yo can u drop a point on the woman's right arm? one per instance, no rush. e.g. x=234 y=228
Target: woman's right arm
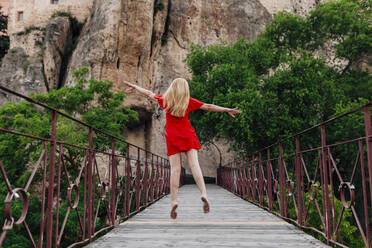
x=215 y=108
x=141 y=90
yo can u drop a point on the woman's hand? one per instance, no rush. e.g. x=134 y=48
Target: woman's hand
x=130 y=86
x=233 y=112
x=141 y=90
x=215 y=108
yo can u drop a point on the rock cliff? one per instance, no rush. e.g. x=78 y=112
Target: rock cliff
x=147 y=42
x=33 y=64
x=57 y=37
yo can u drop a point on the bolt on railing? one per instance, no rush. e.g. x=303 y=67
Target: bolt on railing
x=97 y=196
x=302 y=182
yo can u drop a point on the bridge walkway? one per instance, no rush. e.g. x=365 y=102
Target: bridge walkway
x=232 y=222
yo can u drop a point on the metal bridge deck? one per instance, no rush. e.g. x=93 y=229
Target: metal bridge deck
x=232 y=222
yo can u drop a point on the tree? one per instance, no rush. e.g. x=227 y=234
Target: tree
x=4 y=38
x=89 y=100
x=281 y=81
x=343 y=27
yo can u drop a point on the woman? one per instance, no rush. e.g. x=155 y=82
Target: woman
x=180 y=135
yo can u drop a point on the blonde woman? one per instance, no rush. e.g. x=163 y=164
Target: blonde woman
x=180 y=135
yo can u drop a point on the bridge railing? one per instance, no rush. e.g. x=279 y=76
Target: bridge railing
x=75 y=198
x=314 y=181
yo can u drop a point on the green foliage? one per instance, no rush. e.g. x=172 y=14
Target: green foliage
x=29 y=29
x=89 y=100
x=4 y=38
x=158 y=6
x=76 y=28
x=164 y=39
x=279 y=81
x=343 y=26
x=347 y=231
x=26 y=64
x=96 y=104
x=284 y=84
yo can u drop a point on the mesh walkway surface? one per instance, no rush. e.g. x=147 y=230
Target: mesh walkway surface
x=232 y=222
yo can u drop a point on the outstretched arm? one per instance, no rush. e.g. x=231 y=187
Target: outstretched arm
x=141 y=90
x=215 y=108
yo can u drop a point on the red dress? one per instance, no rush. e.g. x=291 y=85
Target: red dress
x=179 y=134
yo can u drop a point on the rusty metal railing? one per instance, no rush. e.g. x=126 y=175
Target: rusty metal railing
x=301 y=172
x=103 y=189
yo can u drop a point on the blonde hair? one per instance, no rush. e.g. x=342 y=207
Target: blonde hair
x=176 y=98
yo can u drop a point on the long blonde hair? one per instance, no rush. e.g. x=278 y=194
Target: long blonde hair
x=176 y=98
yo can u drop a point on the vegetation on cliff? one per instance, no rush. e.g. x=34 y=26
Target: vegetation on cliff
x=89 y=100
x=284 y=83
x=281 y=81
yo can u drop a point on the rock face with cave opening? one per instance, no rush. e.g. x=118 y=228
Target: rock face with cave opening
x=140 y=41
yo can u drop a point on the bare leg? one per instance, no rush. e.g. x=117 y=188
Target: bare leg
x=175 y=162
x=192 y=158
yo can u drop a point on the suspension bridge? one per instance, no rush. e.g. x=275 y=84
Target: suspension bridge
x=118 y=196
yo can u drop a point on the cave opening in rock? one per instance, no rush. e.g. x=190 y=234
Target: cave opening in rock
x=118 y=64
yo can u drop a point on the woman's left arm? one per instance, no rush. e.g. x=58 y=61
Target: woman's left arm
x=215 y=108
x=141 y=90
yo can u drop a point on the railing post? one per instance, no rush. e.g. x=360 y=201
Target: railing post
x=249 y=179
x=236 y=178
x=146 y=181
x=49 y=212
x=162 y=177
x=325 y=184
x=152 y=178
x=368 y=131
x=90 y=186
x=238 y=184
x=241 y=178
x=157 y=179
x=254 y=177
x=168 y=177
x=128 y=183
x=138 y=174
x=283 y=211
x=244 y=174
x=269 y=181
x=113 y=182
x=299 y=180
x=260 y=180
x=58 y=195
x=364 y=189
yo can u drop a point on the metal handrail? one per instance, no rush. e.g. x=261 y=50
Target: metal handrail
x=97 y=188
x=274 y=183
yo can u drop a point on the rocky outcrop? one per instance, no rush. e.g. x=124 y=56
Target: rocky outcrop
x=57 y=38
x=147 y=42
x=301 y=7
x=22 y=68
x=21 y=73
x=33 y=64
x=116 y=45
x=203 y=23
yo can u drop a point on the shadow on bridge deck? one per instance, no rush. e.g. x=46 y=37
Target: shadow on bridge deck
x=232 y=222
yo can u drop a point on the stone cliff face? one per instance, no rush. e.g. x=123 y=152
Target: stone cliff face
x=147 y=42
x=22 y=68
x=58 y=36
x=27 y=72
x=203 y=23
x=33 y=64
